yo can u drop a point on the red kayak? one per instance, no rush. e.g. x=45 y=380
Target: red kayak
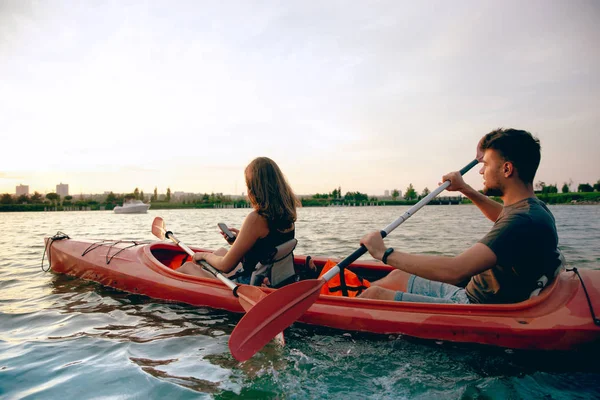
x=560 y=318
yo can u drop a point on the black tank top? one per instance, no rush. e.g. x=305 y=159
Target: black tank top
x=264 y=248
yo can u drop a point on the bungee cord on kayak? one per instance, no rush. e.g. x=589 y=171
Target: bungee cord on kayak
x=111 y=244
x=587 y=295
x=58 y=236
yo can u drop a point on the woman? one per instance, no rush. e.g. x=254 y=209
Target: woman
x=270 y=224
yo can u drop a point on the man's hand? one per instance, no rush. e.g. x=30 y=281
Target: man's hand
x=374 y=243
x=457 y=183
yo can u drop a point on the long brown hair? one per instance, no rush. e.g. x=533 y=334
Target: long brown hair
x=270 y=194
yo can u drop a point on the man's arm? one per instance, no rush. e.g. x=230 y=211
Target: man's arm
x=452 y=270
x=490 y=208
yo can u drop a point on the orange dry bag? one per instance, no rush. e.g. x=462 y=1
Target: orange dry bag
x=349 y=285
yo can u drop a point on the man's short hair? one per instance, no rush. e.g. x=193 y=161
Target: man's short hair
x=519 y=147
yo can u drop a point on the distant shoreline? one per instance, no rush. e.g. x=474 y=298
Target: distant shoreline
x=574 y=199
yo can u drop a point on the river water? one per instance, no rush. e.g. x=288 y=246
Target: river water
x=62 y=337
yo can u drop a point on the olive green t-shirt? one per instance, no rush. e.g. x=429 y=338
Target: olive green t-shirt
x=525 y=242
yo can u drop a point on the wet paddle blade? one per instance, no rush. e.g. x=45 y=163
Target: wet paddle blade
x=271 y=316
x=248 y=297
x=158 y=228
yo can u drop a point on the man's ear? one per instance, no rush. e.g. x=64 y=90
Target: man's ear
x=508 y=169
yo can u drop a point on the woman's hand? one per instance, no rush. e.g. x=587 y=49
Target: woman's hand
x=233 y=230
x=374 y=243
x=199 y=257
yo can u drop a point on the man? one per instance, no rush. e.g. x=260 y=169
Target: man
x=505 y=265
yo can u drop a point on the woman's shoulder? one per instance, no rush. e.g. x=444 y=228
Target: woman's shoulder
x=254 y=216
x=257 y=222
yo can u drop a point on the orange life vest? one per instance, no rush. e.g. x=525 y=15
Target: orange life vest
x=351 y=287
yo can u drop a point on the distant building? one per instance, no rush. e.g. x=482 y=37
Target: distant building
x=386 y=193
x=62 y=189
x=22 y=190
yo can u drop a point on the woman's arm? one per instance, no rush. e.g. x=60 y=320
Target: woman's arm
x=253 y=228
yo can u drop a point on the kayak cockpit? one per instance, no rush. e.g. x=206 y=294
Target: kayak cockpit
x=170 y=256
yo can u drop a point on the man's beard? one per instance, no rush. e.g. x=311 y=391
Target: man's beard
x=492 y=191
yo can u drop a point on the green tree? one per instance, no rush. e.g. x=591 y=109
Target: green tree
x=597 y=186
x=205 y=198
x=550 y=189
x=168 y=195
x=142 y=195
x=36 y=198
x=395 y=194
x=425 y=192
x=155 y=196
x=136 y=193
x=111 y=198
x=585 y=187
x=53 y=197
x=6 y=199
x=410 y=193
x=23 y=199
x=565 y=188
x=67 y=201
x=335 y=194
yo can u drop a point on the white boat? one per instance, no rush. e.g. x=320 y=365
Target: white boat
x=132 y=207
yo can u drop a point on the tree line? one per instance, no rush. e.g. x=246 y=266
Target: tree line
x=543 y=188
x=335 y=196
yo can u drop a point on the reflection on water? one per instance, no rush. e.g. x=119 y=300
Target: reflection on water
x=66 y=337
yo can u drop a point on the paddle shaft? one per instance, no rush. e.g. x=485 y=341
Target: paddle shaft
x=230 y=284
x=388 y=229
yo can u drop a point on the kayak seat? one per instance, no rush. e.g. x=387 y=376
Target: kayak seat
x=278 y=267
x=548 y=278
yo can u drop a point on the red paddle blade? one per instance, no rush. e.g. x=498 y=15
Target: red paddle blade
x=158 y=228
x=249 y=296
x=276 y=312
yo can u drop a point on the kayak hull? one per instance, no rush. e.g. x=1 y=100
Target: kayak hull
x=558 y=319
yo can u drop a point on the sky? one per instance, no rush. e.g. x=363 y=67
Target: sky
x=366 y=95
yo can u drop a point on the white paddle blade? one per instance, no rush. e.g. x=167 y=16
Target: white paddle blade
x=158 y=228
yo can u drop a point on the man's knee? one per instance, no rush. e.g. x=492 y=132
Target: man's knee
x=397 y=274
x=395 y=280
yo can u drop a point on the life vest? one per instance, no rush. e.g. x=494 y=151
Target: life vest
x=350 y=286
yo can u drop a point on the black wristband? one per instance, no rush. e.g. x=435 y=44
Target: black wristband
x=386 y=254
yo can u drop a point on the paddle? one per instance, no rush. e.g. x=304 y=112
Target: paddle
x=247 y=295
x=284 y=306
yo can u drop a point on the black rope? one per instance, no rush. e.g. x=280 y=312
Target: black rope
x=111 y=244
x=596 y=320
x=59 y=236
x=94 y=246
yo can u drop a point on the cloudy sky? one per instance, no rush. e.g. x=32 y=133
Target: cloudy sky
x=369 y=95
